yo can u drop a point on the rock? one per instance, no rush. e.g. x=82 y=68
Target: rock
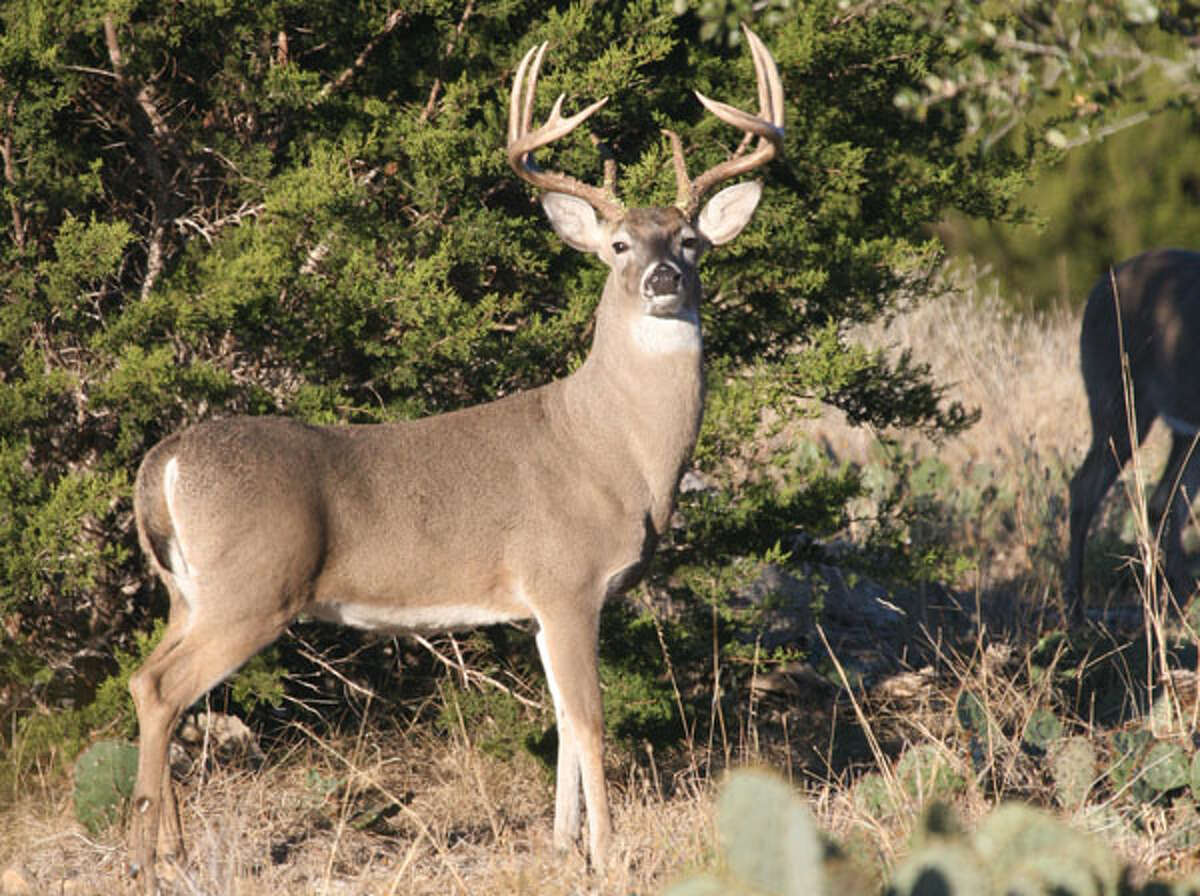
x=226 y=737
x=179 y=761
x=695 y=481
x=863 y=623
x=15 y=882
x=846 y=601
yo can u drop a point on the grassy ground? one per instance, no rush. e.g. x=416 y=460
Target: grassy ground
x=412 y=812
x=397 y=815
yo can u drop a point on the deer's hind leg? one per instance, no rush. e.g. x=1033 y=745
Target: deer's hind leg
x=1170 y=505
x=1110 y=450
x=198 y=650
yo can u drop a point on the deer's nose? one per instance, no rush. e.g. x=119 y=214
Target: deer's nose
x=662 y=280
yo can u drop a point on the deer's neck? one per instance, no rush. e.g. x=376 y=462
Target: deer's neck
x=640 y=395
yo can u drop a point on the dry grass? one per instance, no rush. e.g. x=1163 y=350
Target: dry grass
x=416 y=813
x=404 y=815
x=1021 y=372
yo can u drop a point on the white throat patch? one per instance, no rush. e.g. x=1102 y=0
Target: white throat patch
x=667 y=335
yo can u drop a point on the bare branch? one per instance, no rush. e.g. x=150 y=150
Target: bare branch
x=10 y=172
x=314 y=258
x=472 y=675
x=210 y=229
x=431 y=103
x=145 y=98
x=395 y=17
x=91 y=70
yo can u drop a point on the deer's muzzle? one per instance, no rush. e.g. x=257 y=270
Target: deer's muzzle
x=661 y=280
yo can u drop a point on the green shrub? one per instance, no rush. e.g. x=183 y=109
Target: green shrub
x=326 y=227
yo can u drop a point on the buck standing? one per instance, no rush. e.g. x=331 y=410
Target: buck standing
x=537 y=506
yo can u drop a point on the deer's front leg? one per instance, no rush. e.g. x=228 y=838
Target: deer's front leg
x=568 y=643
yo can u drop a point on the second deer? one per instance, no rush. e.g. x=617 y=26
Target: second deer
x=1140 y=327
x=540 y=505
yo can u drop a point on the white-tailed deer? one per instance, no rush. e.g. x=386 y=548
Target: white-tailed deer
x=537 y=506
x=1149 y=328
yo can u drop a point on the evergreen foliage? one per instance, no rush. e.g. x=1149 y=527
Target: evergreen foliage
x=302 y=208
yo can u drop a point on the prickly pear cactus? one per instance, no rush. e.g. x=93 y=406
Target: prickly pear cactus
x=1028 y=851
x=1129 y=750
x=1041 y=730
x=1166 y=768
x=769 y=842
x=104 y=777
x=873 y=796
x=944 y=868
x=971 y=712
x=771 y=848
x=928 y=772
x=1074 y=767
x=1149 y=769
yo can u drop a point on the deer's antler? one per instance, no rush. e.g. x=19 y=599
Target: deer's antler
x=767 y=126
x=522 y=141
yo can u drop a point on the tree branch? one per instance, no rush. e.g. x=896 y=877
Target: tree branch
x=395 y=17
x=10 y=172
x=145 y=99
x=431 y=103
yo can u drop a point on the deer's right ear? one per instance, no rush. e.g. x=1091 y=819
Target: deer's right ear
x=575 y=221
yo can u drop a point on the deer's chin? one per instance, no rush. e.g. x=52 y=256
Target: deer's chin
x=666 y=306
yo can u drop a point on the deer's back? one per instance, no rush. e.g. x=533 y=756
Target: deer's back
x=1157 y=304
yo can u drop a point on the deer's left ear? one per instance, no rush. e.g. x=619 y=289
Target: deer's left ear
x=727 y=213
x=575 y=221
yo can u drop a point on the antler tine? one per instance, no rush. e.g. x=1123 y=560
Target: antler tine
x=523 y=139
x=767 y=126
x=683 y=183
x=515 y=98
x=770 y=87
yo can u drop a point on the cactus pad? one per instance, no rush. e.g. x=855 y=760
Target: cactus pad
x=104 y=778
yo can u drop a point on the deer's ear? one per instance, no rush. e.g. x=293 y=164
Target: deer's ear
x=729 y=211
x=575 y=221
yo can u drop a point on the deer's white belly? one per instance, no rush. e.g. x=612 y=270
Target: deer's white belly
x=401 y=618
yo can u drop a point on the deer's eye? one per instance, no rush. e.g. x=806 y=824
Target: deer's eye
x=620 y=247
x=689 y=242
